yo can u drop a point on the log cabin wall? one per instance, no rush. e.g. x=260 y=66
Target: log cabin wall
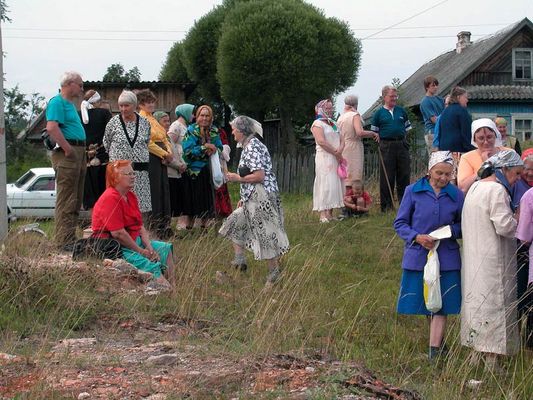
x=498 y=69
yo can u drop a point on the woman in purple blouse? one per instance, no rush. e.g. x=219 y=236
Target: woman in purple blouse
x=430 y=203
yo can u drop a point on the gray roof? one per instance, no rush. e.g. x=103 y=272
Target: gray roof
x=500 y=92
x=452 y=67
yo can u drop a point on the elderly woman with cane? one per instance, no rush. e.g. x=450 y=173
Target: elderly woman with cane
x=257 y=223
x=431 y=203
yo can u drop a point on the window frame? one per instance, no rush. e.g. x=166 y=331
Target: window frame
x=521 y=116
x=530 y=49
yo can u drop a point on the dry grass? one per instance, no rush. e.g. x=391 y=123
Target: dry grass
x=337 y=297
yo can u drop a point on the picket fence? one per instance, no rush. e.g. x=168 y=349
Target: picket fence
x=296 y=172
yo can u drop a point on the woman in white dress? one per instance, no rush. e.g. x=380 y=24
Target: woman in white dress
x=488 y=314
x=327 y=190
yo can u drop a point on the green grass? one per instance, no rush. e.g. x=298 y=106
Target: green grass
x=337 y=297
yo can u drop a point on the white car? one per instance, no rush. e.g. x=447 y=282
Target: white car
x=33 y=195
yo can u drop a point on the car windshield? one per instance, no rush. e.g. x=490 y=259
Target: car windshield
x=24 y=179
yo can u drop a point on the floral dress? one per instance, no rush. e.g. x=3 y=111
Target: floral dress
x=258 y=224
x=131 y=144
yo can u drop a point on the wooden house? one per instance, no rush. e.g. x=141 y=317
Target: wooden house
x=169 y=95
x=496 y=71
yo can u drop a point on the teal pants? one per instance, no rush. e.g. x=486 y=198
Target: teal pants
x=143 y=263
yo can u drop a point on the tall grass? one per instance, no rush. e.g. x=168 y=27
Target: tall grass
x=337 y=297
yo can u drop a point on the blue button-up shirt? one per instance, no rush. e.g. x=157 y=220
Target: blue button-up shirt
x=421 y=212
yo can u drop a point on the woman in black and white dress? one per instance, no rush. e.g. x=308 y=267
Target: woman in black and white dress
x=257 y=223
x=126 y=138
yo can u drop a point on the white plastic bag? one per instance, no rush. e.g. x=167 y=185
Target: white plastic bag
x=216 y=170
x=432 y=295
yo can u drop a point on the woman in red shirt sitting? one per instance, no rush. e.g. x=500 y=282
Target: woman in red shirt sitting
x=116 y=214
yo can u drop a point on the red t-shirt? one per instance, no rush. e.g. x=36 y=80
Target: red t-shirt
x=366 y=197
x=112 y=213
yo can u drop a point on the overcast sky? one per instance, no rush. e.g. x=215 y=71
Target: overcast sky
x=47 y=37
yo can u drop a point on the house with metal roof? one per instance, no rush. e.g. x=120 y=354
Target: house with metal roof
x=496 y=71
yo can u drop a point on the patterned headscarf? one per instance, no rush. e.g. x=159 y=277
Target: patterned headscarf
x=321 y=112
x=199 y=110
x=494 y=165
x=439 y=157
x=486 y=123
x=159 y=114
x=185 y=111
x=500 y=121
x=504 y=158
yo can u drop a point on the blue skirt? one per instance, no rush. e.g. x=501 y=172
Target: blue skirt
x=411 y=297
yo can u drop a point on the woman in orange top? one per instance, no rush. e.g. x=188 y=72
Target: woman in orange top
x=160 y=154
x=488 y=141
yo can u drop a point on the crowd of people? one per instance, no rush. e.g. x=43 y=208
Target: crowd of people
x=477 y=188
x=135 y=171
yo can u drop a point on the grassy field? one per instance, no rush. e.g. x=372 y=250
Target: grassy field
x=337 y=297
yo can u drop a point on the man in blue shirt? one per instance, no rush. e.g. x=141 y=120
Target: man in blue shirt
x=391 y=123
x=431 y=107
x=69 y=160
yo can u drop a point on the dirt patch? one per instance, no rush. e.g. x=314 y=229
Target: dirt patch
x=141 y=360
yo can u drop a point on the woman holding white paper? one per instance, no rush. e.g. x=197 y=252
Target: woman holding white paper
x=427 y=205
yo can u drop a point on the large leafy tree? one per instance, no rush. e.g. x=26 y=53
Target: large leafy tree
x=283 y=55
x=117 y=73
x=174 y=69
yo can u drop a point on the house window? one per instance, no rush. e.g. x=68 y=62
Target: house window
x=523 y=127
x=522 y=62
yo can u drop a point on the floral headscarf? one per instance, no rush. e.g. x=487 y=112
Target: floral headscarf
x=439 y=157
x=321 y=112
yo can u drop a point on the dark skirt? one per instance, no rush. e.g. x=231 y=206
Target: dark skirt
x=94 y=185
x=160 y=195
x=198 y=194
x=177 y=194
x=411 y=297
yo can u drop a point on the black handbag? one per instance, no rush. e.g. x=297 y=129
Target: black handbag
x=97 y=248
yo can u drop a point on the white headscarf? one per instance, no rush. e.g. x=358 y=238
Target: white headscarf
x=439 y=157
x=486 y=123
x=87 y=105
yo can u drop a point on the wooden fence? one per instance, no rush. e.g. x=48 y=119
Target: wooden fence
x=296 y=173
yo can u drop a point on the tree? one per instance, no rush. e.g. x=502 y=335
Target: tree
x=19 y=110
x=3 y=12
x=283 y=55
x=200 y=50
x=117 y=73
x=173 y=69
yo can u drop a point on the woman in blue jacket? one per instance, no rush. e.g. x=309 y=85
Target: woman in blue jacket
x=428 y=204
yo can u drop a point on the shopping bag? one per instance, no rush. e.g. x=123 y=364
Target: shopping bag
x=216 y=170
x=432 y=295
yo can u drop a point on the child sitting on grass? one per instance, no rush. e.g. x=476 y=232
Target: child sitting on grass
x=356 y=200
